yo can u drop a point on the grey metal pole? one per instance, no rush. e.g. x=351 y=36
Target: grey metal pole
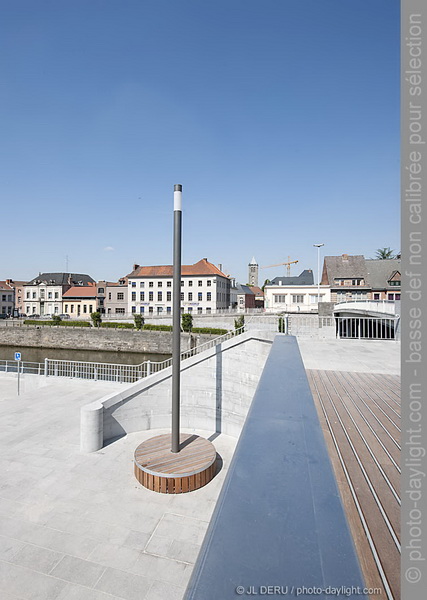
x=176 y=315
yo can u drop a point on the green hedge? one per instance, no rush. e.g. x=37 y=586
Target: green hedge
x=209 y=330
x=118 y=325
x=157 y=327
x=61 y=324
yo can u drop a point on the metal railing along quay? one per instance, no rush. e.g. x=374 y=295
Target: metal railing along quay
x=98 y=371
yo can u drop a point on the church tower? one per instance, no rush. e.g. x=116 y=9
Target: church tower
x=253 y=272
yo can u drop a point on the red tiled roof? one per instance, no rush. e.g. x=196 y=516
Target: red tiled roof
x=5 y=286
x=203 y=267
x=256 y=290
x=80 y=291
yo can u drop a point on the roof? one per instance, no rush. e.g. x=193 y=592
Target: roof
x=256 y=290
x=345 y=266
x=253 y=261
x=304 y=278
x=203 y=267
x=81 y=291
x=379 y=272
x=243 y=289
x=5 y=286
x=61 y=279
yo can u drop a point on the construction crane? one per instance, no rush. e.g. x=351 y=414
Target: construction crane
x=288 y=264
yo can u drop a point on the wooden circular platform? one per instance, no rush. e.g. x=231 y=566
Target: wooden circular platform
x=159 y=469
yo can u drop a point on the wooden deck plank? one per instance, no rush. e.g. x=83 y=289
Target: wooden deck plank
x=332 y=388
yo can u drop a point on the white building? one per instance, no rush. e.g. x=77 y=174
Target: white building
x=43 y=294
x=204 y=289
x=295 y=294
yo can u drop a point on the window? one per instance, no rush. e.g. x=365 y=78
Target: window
x=100 y=290
x=133 y=309
x=190 y=309
x=168 y=296
x=71 y=307
x=151 y=284
x=168 y=309
x=208 y=310
x=141 y=284
x=66 y=308
x=341 y=296
x=376 y=296
x=28 y=294
x=200 y=296
x=182 y=284
x=159 y=309
x=34 y=294
x=190 y=283
x=190 y=296
x=208 y=296
x=121 y=295
x=200 y=283
x=56 y=295
x=133 y=283
x=120 y=311
x=133 y=296
x=359 y=296
x=49 y=295
x=199 y=310
x=109 y=295
x=279 y=299
x=141 y=309
x=160 y=283
x=141 y=296
x=297 y=298
x=150 y=309
x=85 y=308
x=209 y=283
x=159 y=296
x=182 y=296
x=396 y=283
x=150 y=296
x=169 y=283
x=27 y=310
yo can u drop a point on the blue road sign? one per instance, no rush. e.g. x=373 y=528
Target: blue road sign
x=17 y=356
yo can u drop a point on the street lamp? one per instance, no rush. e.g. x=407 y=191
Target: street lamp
x=318 y=246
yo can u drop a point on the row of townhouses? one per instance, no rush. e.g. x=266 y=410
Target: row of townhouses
x=205 y=289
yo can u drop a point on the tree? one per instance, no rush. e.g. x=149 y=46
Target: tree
x=266 y=282
x=282 y=326
x=96 y=319
x=187 y=322
x=139 y=321
x=384 y=253
x=239 y=322
x=56 y=319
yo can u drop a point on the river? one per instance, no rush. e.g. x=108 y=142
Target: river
x=39 y=354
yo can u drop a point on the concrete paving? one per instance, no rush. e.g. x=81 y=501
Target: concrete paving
x=364 y=356
x=80 y=527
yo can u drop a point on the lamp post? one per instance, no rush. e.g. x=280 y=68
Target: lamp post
x=176 y=315
x=318 y=246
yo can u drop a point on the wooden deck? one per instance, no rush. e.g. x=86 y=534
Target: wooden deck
x=360 y=417
x=160 y=470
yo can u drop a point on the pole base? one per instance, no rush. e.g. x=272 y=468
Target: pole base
x=159 y=469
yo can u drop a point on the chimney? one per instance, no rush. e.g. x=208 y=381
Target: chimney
x=135 y=267
x=345 y=256
x=220 y=267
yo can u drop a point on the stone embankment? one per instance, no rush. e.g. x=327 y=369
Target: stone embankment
x=115 y=340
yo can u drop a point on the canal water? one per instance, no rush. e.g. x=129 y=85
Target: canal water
x=39 y=354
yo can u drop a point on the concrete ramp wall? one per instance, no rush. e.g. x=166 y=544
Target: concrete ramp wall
x=217 y=387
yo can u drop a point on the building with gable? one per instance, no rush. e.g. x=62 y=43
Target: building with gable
x=294 y=294
x=43 y=294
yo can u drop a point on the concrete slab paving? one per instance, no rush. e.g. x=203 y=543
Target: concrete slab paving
x=80 y=527
x=365 y=356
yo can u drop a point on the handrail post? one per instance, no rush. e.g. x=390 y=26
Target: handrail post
x=46 y=367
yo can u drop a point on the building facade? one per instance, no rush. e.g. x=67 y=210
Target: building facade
x=43 y=294
x=18 y=289
x=7 y=303
x=295 y=294
x=356 y=278
x=80 y=301
x=204 y=289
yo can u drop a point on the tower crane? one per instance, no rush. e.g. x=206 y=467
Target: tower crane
x=288 y=264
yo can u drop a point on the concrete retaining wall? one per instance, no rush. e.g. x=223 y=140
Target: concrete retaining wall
x=122 y=340
x=217 y=387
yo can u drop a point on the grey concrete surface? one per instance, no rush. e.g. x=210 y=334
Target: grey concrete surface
x=80 y=527
x=365 y=356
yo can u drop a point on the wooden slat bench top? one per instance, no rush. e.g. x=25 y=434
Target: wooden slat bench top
x=190 y=468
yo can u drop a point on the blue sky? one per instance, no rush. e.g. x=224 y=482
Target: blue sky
x=280 y=118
